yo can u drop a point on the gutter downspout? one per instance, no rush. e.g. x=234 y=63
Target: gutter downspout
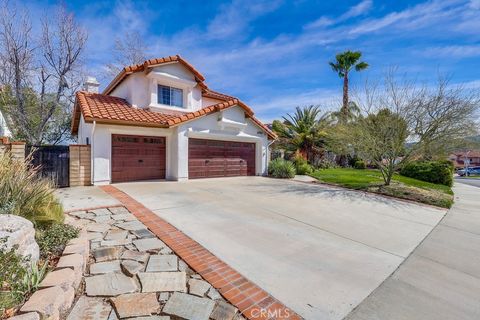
x=92 y=167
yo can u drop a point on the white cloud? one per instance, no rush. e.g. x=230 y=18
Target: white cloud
x=233 y=18
x=359 y=9
x=456 y=51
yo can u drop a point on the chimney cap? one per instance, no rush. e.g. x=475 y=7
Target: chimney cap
x=91 y=84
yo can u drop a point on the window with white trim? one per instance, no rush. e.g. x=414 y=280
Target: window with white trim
x=170 y=96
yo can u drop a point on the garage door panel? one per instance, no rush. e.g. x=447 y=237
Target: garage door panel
x=138 y=158
x=214 y=158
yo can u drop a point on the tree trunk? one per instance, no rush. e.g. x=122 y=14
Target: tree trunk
x=345 y=97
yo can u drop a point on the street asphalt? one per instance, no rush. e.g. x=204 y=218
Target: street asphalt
x=470 y=181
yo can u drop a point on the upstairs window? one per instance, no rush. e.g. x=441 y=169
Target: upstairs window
x=170 y=96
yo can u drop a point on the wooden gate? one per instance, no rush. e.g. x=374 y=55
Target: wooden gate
x=54 y=162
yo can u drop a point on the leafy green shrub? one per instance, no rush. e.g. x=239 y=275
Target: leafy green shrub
x=18 y=279
x=302 y=166
x=52 y=239
x=359 y=164
x=439 y=172
x=280 y=168
x=25 y=193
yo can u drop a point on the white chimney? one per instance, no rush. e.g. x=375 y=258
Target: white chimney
x=91 y=85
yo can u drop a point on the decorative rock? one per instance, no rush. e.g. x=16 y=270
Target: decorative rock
x=106 y=254
x=47 y=302
x=97 y=227
x=198 y=287
x=76 y=262
x=131 y=225
x=105 y=267
x=26 y=316
x=143 y=233
x=64 y=278
x=223 y=311
x=101 y=212
x=131 y=267
x=136 y=304
x=213 y=294
x=135 y=255
x=163 y=281
x=19 y=233
x=163 y=296
x=79 y=248
x=189 y=307
x=116 y=235
x=148 y=244
x=68 y=297
x=90 y=308
x=109 y=284
x=162 y=263
x=118 y=210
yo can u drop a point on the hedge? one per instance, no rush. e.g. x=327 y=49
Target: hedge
x=438 y=172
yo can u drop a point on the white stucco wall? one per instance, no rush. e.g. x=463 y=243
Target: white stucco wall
x=140 y=89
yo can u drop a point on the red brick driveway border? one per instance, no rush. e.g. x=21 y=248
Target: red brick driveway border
x=252 y=301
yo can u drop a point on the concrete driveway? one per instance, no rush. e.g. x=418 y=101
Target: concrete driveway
x=318 y=249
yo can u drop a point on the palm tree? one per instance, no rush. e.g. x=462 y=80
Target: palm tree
x=344 y=63
x=304 y=131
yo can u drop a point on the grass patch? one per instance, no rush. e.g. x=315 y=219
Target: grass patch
x=401 y=187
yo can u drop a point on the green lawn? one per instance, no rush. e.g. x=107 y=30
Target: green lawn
x=401 y=187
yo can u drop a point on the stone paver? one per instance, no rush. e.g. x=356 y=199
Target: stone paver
x=189 y=307
x=163 y=296
x=115 y=243
x=136 y=304
x=163 y=281
x=118 y=210
x=105 y=267
x=198 y=287
x=116 y=235
x=109 y=284
x=131 y=267
x=101 y=212
x=90 y=308
x=135 y=255
x=158 y=263
x=223 y=311
x=97 y=227
x=131 y=225
x=213 y=294
x=148 y=244
x=124 y=217
x=106 y=254
x=143 y=233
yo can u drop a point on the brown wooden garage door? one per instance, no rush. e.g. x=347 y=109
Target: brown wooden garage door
x=137 y=158
x=214 y=158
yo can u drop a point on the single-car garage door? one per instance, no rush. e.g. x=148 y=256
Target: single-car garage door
x=214 y=158
x=137 y=158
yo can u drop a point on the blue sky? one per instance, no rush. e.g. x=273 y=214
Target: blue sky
x=274 y=54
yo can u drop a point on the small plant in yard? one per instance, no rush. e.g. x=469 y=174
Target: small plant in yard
x=25 y=193
x=302 y=166
x=52 y=239
x=280 y=168
x=359 y=164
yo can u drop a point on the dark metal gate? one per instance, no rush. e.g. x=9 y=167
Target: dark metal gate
x=54 y=162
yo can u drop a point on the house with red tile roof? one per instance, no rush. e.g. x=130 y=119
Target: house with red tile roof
x=159 y=120
x=469 y=158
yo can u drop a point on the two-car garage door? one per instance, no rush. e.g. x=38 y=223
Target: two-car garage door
x=144 y=158
x=214 y=158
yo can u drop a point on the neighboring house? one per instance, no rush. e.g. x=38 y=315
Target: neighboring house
x=4 y=131
x=458 y=158
x=159 y=120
